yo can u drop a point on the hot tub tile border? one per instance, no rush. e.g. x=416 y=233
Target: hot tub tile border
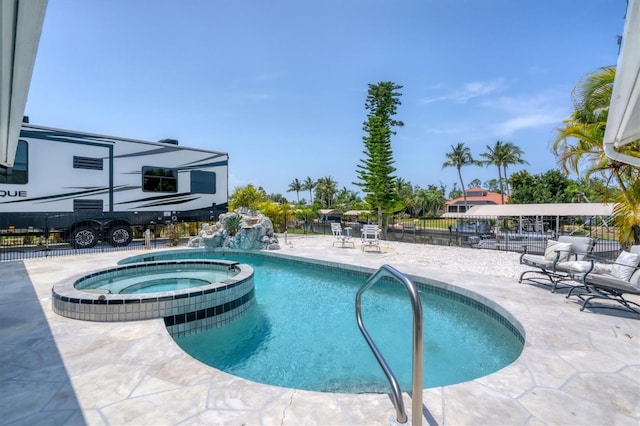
x=98 y=307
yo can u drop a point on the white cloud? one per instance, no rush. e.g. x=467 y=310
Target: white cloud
x=469 y=91
x=527 y=111
x=497 y=113
x=529 y=103
x=510 y=126
x=435 y=99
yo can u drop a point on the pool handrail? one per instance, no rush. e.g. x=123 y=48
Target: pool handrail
x=417 y=378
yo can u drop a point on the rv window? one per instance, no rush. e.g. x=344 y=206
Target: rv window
x=159 y=179
x=19 y=173
x=203 y=182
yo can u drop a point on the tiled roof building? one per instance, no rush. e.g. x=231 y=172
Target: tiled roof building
x=475 y=197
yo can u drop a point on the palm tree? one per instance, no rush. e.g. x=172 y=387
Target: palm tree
x=326 y=188
x=296 y=186
x=309 y=185
x=496 y=156
x=415 y=203
x=430 y=201
x=459 y=156
x=585 y=128
x=345 y=198
x=512 y=156
x=580 y=142
x=475 y=183
x=627 y=215
x=502 y=155
x=405 y=192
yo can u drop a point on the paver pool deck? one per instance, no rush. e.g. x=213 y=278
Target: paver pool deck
x=577 y=368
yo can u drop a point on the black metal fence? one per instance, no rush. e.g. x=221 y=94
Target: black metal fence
x=27 y=244
x=507 y=234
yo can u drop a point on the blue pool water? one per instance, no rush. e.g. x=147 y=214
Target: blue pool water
x=153 y=280
x=303 y=333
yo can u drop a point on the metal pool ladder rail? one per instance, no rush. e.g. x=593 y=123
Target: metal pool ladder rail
x=416 y=398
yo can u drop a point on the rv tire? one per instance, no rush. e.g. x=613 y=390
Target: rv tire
x=84 y=237
x=120 y=235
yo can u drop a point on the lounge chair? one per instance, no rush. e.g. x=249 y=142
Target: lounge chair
x=610 y=281
x=340 y=236
x=370 y=236
x=551 y=268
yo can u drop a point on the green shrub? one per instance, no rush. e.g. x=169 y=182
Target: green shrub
x=232 y=224
x=174 y=233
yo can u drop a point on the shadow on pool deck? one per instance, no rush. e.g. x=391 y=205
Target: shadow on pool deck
x=34 y=383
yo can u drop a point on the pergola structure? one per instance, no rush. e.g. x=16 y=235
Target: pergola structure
x=538 y=211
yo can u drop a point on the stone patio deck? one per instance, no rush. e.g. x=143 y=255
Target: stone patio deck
x=576 y=367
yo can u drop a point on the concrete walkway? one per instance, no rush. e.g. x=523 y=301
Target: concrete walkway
x=576 y=367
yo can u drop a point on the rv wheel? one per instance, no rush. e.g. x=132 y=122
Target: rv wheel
x=84 y=237
x=120 y=236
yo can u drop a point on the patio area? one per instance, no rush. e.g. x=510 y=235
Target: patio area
x=576 y=367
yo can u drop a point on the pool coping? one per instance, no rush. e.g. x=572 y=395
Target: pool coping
x=576 y=367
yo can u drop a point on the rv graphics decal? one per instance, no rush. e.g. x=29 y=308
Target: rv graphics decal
x=57 y=197
x=4 y=193
x=163 y=200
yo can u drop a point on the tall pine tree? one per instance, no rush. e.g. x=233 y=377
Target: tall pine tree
x=375 y=171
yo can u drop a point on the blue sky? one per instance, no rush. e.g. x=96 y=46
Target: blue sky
x=281 y=85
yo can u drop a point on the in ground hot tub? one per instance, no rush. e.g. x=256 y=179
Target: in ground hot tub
x=189 y=294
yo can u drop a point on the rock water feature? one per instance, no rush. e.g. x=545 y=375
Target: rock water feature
x=243 y=229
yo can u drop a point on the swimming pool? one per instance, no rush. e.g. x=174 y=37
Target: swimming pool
x=302 y=331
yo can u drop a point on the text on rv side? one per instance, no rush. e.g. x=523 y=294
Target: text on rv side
x=13 y=193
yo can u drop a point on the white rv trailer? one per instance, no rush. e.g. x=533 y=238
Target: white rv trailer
x=93 y=187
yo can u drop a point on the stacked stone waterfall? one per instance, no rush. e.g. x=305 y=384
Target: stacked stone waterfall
x=255 y=233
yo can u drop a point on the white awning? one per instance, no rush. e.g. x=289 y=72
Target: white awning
x=623 y=122
x=20 y=29
x=454 y=215
x=356 y=212
x=549 y=209
x=327 y=212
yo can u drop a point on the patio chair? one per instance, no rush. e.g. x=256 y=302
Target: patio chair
x=610 y=281
x=553 y=267
x=370 y=236
x=340 y=236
